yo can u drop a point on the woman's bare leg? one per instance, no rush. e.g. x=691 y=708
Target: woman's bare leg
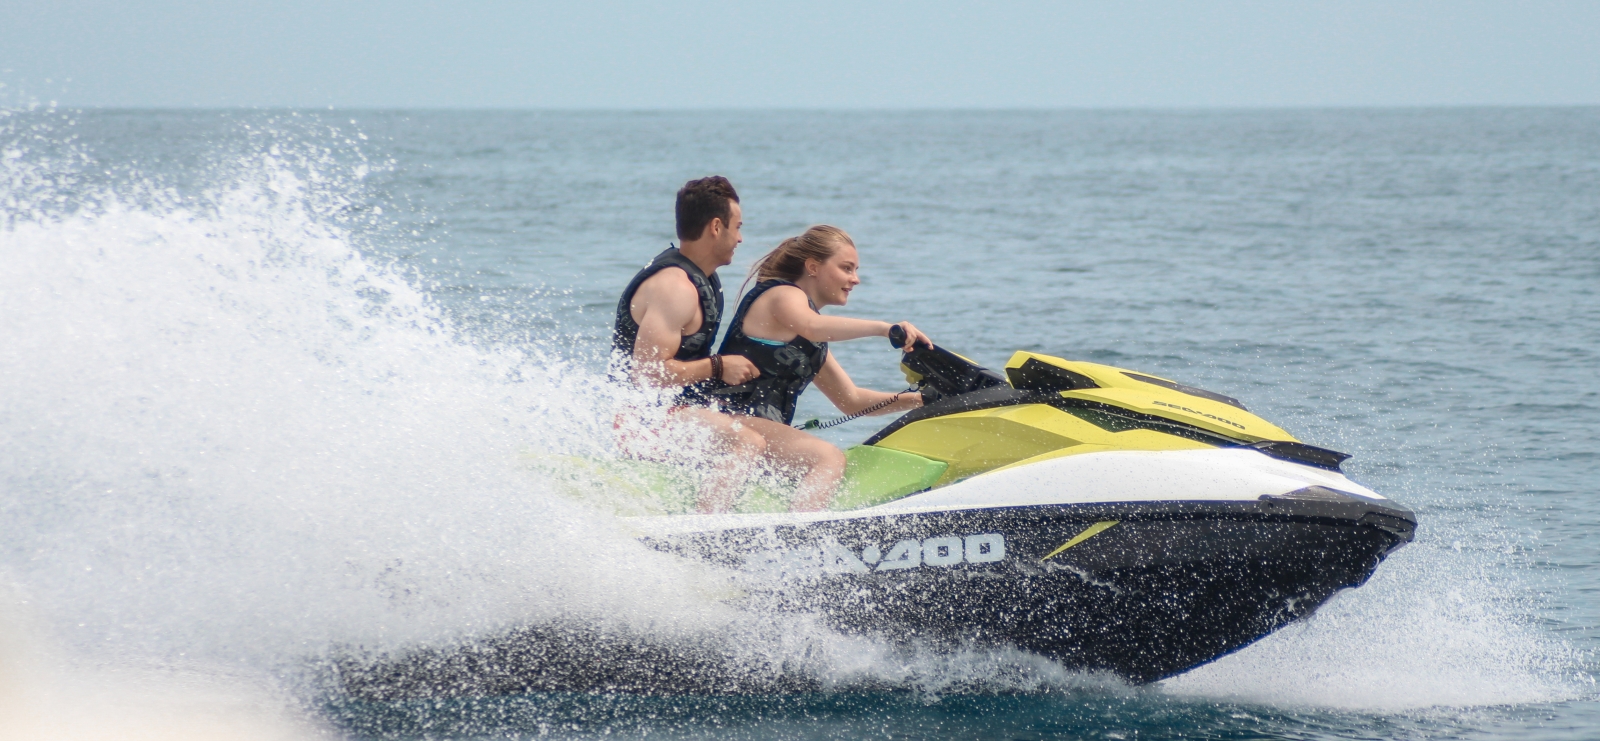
x=820 y=464
x=735 y=447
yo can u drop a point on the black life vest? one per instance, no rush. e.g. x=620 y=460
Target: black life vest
x=693 y=346
x=786 y=367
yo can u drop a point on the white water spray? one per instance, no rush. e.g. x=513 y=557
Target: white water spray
x=226 y=433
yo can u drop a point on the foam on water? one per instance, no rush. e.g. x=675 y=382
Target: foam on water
x=229 y=436
x=44 y=695
x=1431 y=628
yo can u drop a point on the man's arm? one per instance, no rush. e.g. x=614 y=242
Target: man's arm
x=665 y=306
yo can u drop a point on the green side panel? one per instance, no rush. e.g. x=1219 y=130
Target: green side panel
x=635 y=488
x=630 y=488
x=874 y=475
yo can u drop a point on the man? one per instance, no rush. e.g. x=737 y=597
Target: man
x=667 y=323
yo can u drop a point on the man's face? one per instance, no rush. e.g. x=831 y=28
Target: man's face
x=728 y=239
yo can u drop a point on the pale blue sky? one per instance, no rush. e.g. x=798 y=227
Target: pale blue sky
x=819 y=54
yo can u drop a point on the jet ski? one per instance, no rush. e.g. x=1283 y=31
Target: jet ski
x=1110 y=520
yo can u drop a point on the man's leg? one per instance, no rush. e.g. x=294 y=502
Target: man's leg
x=734 y=446
x=821 y=462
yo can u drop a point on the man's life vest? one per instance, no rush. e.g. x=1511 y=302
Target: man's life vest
x=694 y=346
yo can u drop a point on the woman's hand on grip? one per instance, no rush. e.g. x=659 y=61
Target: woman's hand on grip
x=914 y=337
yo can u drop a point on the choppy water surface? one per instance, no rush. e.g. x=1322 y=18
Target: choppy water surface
x=269 y=382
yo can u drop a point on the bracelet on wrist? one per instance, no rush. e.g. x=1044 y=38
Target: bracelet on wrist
x=716 y=367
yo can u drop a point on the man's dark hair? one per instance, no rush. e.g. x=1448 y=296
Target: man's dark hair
x=700 y=201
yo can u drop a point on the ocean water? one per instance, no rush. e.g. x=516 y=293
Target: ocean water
x=269 y=383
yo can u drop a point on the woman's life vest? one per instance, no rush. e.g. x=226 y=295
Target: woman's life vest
x=786 y=367
x=694 y=346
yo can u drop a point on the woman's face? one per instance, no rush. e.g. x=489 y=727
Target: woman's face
x=833 y=280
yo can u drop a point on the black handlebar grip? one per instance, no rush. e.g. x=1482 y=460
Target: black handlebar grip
x=897 y=336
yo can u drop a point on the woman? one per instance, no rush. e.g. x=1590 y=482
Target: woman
x=778 y=327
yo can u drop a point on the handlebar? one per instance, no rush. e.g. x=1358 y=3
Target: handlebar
x=897 y=336
x=943 y=371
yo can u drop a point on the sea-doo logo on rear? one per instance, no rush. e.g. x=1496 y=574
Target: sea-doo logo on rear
x=832 y=557
x=1198 y=413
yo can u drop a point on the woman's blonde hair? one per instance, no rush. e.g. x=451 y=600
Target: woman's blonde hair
x=788 y=261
